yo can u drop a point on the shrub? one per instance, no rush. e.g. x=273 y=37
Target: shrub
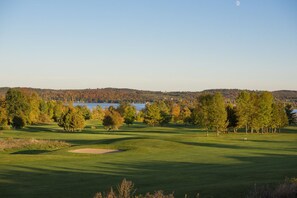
x=287 y=189
x=44 y=118
x=112 y=120
x=18 y=122
x=126 y=190
x=72 y=120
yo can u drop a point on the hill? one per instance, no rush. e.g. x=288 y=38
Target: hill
x=133 y=95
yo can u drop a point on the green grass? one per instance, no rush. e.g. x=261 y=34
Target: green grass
x=175 y=158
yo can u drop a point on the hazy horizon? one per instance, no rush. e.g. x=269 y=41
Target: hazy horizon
x=25 y=87
x=152 y=45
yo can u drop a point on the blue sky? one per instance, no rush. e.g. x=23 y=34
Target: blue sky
x=167 y=45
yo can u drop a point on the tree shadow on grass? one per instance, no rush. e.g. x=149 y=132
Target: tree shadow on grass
x=102 y=141
x=270 y=141
x=210 y=180
x=31 y=152
x=216 y=145
x=34 y=128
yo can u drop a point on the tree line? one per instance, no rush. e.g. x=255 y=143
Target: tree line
x=113 y=95
x=250 y=111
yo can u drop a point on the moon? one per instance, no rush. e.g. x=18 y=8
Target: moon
x=237 y=3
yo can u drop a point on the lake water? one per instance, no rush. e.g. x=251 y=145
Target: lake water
x=139 y=106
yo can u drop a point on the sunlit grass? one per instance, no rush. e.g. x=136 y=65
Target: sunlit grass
x=173 y=158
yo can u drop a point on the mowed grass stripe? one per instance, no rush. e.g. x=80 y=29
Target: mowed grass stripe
x=174 y=158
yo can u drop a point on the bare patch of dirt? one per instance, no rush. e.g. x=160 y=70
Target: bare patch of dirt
x=94 y=151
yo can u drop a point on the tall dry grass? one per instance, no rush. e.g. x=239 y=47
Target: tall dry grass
x=14 y=144
x=287 y=189
x=126 y=190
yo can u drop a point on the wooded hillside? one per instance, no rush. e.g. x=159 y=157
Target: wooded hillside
x=132 y=95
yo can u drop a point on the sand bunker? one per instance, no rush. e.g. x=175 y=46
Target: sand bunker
x=94 y=151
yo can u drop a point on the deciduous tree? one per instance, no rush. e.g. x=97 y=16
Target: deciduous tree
x=98 y=113
x=128 y=112
x=17 y=105
x=112 y=119
x=244 y=109
x=152 y=114
x=72 y=120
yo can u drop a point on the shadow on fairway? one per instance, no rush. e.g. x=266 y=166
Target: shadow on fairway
x=102 y=141
x=31 y=152
x=210 y=180
x=125 y=129
x=216 y=145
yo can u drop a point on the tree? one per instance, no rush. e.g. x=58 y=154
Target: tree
x=185 y=115
x=3 y=115
x=219 y=116
x=98 y=113
x=128 y=112
x=112 y=119
x=85 y=111
x=152 y=114
x=210 y=112
x=175 y=112
x=72 y=120
x=199 y=115
x=244 y=109
x=260 y=111
x=232 y=117
x=139 y=116
x=45 y=109
x=165 y=116
x=18 y=121
x=290 y=114
x=264 y=105
x=58 y=110
x=278 y=116
x=34 y=102
x=17 y=107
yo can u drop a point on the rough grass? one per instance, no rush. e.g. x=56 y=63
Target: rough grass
x=175 y=159
x=126 y=189
x=287 y=189
x=8 y=144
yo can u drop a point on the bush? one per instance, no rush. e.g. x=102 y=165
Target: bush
x=126 y=190
x=72 y=120
x=287 y=189
x=44 y=118
x=18 y=122
x=112 y=120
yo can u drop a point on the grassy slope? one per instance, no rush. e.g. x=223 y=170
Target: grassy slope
x=175 y=159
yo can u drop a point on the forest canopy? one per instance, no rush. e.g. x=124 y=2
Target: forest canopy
x=132 y=95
